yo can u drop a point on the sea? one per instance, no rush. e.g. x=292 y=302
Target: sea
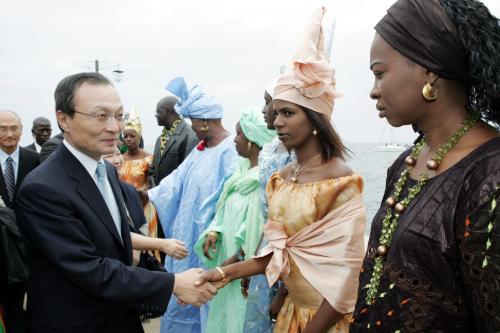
x=371 y=162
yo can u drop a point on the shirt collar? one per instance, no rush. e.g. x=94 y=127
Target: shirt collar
x=38 y=148
x=14 y=155
x=88 y=162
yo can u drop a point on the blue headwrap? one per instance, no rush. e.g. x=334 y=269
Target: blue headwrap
x=194 y=102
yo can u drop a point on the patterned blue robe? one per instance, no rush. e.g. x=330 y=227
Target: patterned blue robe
x=185 y=201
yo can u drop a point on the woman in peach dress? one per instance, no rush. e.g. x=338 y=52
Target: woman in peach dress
x=316 y=216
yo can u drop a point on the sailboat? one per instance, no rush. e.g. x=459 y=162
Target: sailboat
x=390 y=146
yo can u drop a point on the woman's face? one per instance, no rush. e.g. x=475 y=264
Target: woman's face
x=291 y=123
x=241 y=142
x=196 y=125
x=116 y=159
x=131 y=139
x=398 y=84
x=268 y=111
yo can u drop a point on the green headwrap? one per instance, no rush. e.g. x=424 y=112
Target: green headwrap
x=254 y=127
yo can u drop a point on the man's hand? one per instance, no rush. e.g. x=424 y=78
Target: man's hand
x=187 y=291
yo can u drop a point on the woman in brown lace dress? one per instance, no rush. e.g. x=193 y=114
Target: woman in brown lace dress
x=433 y=258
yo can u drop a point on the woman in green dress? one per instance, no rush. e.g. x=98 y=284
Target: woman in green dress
x=236 y=228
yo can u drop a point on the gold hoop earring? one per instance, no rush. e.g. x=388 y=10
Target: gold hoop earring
x=249 y=145
x=315 y=132
x=205 y=127
x=428 y=94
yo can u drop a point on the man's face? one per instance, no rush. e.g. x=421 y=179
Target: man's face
x=84 y=130
x=42 y=132
x=10 y=131
x=162 y=115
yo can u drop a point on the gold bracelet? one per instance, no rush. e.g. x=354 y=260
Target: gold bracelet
x=213 y=234
x=221 y=273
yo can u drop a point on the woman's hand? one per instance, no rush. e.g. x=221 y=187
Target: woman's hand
x=173 y=248
x=245 y=282
x=277 y=303
x=213 y=276
x=209 y=245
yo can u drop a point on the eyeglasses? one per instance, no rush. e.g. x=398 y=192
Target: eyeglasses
x=103 y=117
x=13 y=129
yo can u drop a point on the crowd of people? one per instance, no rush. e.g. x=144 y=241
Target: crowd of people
x=263 y=230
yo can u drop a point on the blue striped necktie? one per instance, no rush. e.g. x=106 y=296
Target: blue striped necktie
x=9 y=177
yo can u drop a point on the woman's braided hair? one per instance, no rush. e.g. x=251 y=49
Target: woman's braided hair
x=479 y=33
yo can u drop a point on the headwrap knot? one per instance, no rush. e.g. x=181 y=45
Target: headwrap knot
x=311 y=80
x=254 y=127
x=194 y=102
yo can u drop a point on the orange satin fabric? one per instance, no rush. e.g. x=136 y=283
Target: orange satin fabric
x=316 y=233
x=135 y=172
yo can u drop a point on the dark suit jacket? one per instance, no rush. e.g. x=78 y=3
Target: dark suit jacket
x=180 y=144
x=81 y=278
x=31 y=146
x=51 y=146
x=28 y=160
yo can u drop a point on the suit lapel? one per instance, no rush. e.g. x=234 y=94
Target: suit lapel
x=173 y=138
x=22 y=168
x=168 y=145
x=3 y=190
x=88 y=191
x=125 y=229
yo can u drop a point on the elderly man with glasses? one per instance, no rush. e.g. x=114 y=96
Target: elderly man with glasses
x=75 y=225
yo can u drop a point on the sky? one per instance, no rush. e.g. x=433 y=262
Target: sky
x=232 y=48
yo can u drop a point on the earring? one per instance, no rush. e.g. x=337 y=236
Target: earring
x=428 y=94
x=315 y=132
x=249 y=145
x=205 y=127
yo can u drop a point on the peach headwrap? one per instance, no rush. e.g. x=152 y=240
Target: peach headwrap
x=329 y=253
x=311 y=81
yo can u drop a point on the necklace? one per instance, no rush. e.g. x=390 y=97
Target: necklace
x=165 y=135
x=396 y=206
x=298 y=169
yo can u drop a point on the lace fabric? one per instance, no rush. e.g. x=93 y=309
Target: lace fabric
x=442 y=269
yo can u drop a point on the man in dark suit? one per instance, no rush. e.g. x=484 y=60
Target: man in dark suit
x=174 y=144
x=74 y=223
x=16 y=162
x=41 y=131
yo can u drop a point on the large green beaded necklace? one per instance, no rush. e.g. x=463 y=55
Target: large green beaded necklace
x=165 y=135
x=397 y=206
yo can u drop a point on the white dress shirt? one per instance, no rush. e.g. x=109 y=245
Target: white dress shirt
x=38 y=148
x=91 y=166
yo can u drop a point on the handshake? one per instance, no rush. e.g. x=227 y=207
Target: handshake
x=196 y=286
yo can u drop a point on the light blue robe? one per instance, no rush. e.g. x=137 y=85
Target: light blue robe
x=185 y=201
x=272 y=158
